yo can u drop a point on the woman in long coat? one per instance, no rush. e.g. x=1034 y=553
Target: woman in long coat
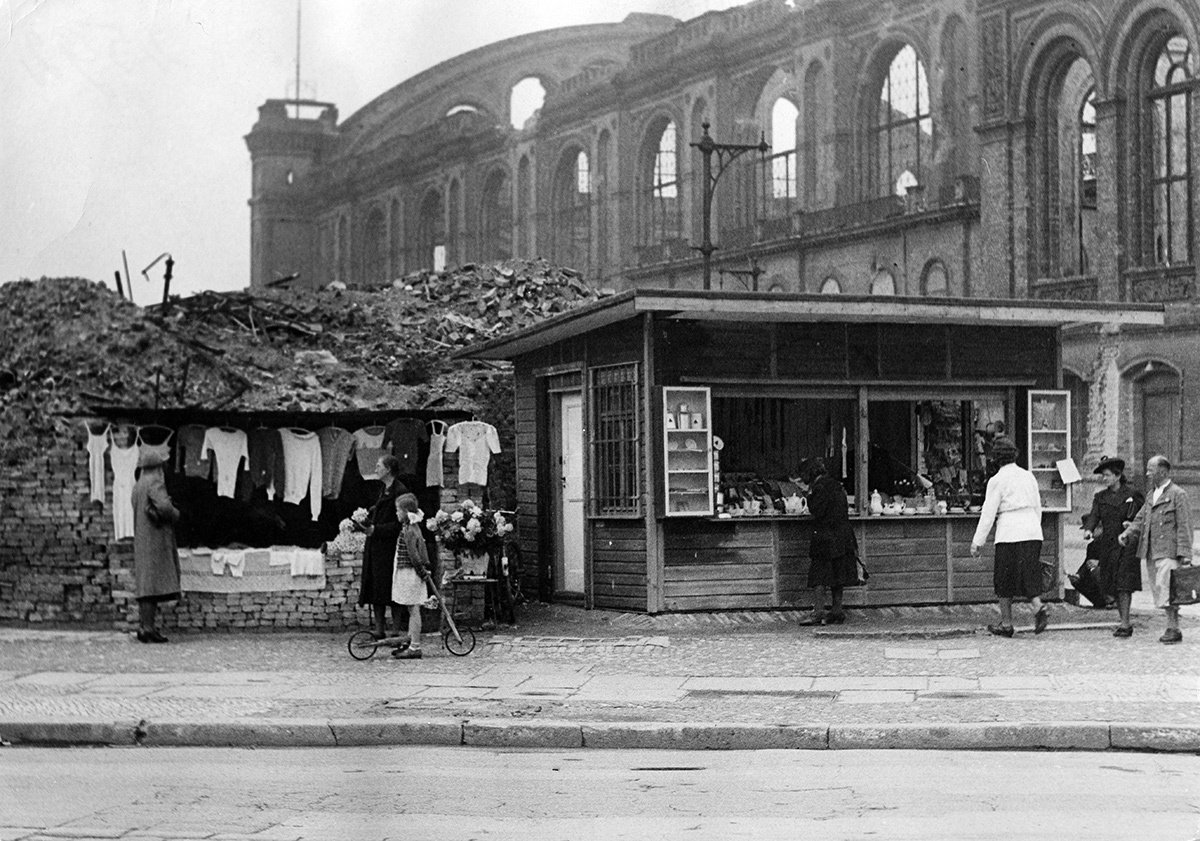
x=1113 y=507
x=379 y=550
x=833 y=550
x=155 y=555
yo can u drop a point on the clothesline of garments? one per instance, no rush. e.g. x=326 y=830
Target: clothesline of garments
x=290 y=462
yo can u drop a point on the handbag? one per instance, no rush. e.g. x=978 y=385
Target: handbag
x=1086 y=583
x=1185 y=586
x=863 y=575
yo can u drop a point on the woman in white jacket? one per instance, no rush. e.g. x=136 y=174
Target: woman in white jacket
x=1014 y=503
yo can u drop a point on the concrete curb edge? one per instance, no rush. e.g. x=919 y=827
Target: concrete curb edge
x=558 y=734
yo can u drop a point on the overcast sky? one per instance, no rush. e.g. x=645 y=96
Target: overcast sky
x=121 y=121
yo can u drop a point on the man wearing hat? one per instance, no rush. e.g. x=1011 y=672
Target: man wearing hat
x=1014 y=503
x=1113 y=508
x=155 y=555
x=1162 y=531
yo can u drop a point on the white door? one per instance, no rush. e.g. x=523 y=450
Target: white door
x=571 y=481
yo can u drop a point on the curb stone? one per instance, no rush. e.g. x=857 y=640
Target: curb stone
x=711 y=736
x=37 y=731
x=972 y=736
x=367 y=732
x=295 y=732
x=500 y=733
x=1181 y=738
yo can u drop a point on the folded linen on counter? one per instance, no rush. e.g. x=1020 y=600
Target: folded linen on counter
x=234 y=559
x=308 y=562
x=259 y=576
x=282 y=556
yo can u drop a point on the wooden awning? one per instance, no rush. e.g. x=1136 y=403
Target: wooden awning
x=783 y=307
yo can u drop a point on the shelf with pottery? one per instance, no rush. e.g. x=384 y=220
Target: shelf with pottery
x=687 y=452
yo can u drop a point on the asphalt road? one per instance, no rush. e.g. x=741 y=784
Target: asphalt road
x=464 y=793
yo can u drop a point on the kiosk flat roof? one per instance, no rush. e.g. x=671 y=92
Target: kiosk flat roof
x=793 y=307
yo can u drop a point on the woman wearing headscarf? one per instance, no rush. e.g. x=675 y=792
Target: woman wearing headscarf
x=833 y=549
x=1014 y=504
x=382 y=529
x=155 y=555
x=1113 y=507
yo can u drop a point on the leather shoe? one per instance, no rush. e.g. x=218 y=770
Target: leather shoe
x=155 y=636
x=1123 y=632
x=1041 y=619
x=144 y=636
x=836 y=617
x=1001 y=630
x=407 y=654
x=1171 y=636
x=813 y=619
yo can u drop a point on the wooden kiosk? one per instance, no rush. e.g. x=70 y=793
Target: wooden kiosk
x=649 y=425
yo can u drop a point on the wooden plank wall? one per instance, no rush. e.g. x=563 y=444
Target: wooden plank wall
x=619 y=564
x=906 y=557
x=972 y=579
x=529 y=494
x=719 y=565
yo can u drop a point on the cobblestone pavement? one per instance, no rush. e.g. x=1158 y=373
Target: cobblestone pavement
x=885 y=665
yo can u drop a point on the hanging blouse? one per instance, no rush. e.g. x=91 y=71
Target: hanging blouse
x=229 y=448
x=369 y=449
x=475 y=443
x=433 y=465
x=97 y=445
x=124 y=462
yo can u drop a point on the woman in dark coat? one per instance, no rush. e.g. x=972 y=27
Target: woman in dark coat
x=1113 y=507
x=379 y=550
x=155 y=555
x=833 y=551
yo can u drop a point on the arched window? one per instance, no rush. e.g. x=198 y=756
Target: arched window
x=831 y=286
x=814 y=112
x=1157 y=418
x=936 y=281
x=600 y=194
x=660 y=190
x=431 y=233
x=883 y=283
x=1165 y=92
x=572 y=216
x=343 y=250
x=375 y=247
x=1063 y=173
x=903 y=126
x=524 y=100
x=394 y=235
x=495 y=217
x=779 y=169
x=524 y=211
x=454 y=229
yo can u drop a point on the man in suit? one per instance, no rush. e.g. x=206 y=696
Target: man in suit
x=1164 y=529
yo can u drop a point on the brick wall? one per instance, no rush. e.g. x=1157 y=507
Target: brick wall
x=59 y=564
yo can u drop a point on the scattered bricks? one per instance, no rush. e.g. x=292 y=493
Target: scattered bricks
x=524 y=734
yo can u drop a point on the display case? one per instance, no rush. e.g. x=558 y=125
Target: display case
x=688 y=451
x=1050 y=442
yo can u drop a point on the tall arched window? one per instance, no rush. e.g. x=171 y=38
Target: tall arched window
x=524 y=211
x=904 y=127
x=495 y=217
x=431 y=233
x=779 y=169
x=660 y=190
x=572 y=217
x=375 y=247
x=394 y=237
x=454 y=223
x=343 y=250
x=1165 y=92
x=814 y=112
x=600 y=193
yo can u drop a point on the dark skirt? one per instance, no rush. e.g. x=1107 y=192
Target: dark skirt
x=1120 y=568
x=841 y=571
x=378 y=561
x=1019 y=572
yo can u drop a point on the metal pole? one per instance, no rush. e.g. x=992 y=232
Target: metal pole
x=706 y=248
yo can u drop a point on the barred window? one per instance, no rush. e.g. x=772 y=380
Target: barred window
x=616 y=465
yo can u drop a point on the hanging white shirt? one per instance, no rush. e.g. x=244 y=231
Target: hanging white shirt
x=229 y=448
x=475 y=442
x=1014 y=503
x=302 y=468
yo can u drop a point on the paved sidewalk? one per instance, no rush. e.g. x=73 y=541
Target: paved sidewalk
x=899 y=677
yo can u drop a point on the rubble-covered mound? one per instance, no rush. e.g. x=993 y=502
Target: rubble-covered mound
x=68 y=345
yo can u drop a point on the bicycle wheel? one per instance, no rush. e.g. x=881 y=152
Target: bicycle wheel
x=459 y=649
x=362 y=645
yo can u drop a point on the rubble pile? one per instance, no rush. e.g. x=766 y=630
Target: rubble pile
x=71 y=344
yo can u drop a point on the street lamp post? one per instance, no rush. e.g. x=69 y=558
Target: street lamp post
x=727 y=153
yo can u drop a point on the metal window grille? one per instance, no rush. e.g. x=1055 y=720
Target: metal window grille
x=615 y=434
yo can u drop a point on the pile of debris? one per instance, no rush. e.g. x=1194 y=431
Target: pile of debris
x=71 y=344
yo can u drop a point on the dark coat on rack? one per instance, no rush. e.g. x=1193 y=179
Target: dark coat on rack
x=833 y=550
x=379 y=550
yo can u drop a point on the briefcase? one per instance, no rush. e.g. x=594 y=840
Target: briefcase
x=1185 y=585
x=1087 y=583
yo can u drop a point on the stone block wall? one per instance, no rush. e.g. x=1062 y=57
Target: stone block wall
x=59 y=564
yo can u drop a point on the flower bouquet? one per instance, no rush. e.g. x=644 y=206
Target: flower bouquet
x=470 y=533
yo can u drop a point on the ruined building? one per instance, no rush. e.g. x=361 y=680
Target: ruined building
x=990 y=149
